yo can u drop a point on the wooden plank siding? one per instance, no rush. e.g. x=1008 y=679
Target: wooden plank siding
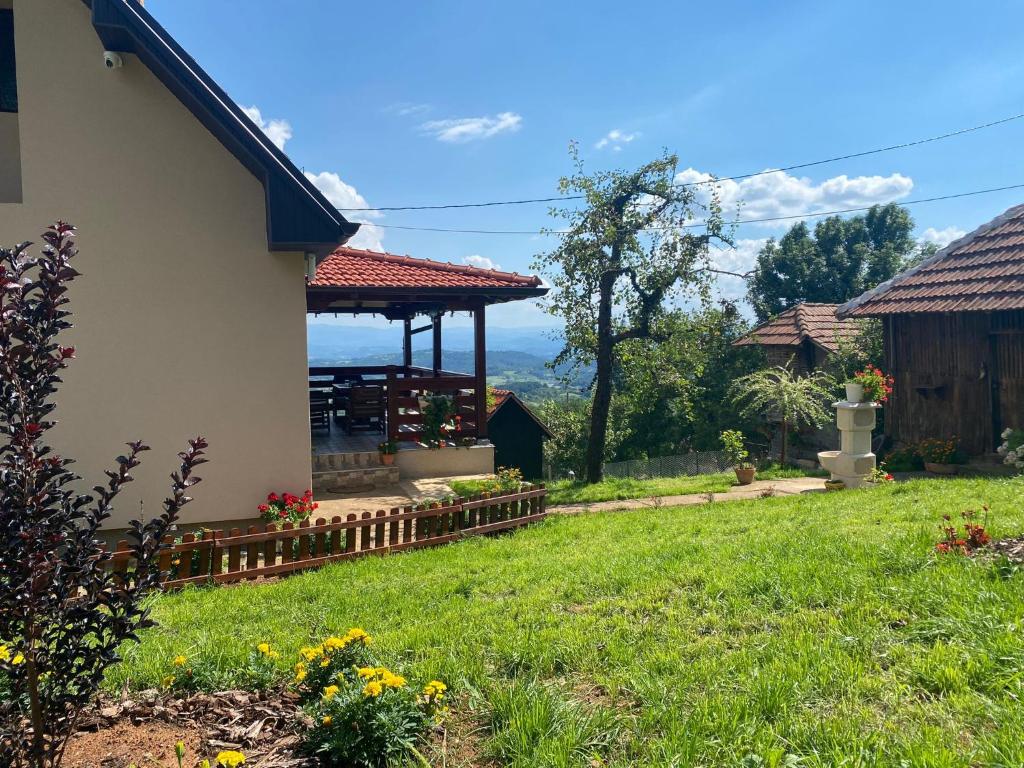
x=957 y=374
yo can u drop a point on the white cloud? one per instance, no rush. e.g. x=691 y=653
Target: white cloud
x=406 y=108
x=463 y=129
x=615 y=138
x=480 y=261
x=344 y=195
x=278 y=131
x=780 y=194
x=739 y=259
x=941 y=237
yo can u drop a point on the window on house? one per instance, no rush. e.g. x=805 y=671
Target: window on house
x=8 y=82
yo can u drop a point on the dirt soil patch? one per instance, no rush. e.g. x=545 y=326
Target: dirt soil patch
x=1012 y=548
x=142 y=729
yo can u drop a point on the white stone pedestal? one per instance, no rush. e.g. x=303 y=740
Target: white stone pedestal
x=854 y=462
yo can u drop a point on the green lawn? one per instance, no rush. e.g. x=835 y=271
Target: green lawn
x=820 y=626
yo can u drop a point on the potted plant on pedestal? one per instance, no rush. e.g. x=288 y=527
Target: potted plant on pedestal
x=437 y=412
x=387 y=451
x=738 y=455
x=869 y=386
x=941 y=457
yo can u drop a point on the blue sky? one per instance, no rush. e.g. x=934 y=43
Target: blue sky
x=443 y=102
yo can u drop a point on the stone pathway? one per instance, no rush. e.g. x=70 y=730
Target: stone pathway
x=788 y=486
x=411 y=491
x=398 y=495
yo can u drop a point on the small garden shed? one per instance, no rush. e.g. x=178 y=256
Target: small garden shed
x=805 y=335
x=954 y=338
x=517 y=433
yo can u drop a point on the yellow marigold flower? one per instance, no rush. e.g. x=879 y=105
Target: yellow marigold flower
x=168 y=681
x=19 y=658
x=327 y=720
x=358 y=634
x=373 y=689
x=230 y=759
x=264 y=648
x=331 y=691
x=310 y=654
x=393 y=681
x=435 y=689
x=366 y=671
x=180 y=661
x=5 y=654
x=335 y=643
x=204 y=764
x=325 y=662
x=300 y=672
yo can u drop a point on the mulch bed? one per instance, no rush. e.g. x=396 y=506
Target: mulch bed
x=142 y=729
x=1012 y=548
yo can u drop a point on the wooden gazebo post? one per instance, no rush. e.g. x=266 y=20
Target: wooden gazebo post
x=436 y=322
x=407 y=343
x=480 y=369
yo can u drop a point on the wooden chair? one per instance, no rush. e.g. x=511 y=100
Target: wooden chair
x=365 y=409
x=319 y=405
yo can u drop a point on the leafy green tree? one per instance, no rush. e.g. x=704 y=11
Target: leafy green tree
x=779 y=393
x=840 y=260
x=623 y=260
x=856 y=352
x=669 y=396
x=569 y=422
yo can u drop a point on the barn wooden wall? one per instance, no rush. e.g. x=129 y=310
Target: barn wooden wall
x=944 y=367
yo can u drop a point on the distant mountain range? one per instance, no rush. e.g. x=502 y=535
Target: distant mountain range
x=347 y=342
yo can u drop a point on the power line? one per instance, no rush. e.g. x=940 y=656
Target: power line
x=791 y=217
x=738 y=177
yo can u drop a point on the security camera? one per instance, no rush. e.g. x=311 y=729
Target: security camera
x=113 y=59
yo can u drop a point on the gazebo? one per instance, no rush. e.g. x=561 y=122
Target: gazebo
x=406 y=289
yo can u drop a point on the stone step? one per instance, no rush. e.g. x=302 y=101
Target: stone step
x=354 y=480
x=326 y=462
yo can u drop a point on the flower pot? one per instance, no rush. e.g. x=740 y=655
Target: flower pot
x=940 y=469
x=744 y=475
x=387 y=459
x=854 y=392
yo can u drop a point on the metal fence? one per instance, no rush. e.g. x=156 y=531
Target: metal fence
x=697 y=463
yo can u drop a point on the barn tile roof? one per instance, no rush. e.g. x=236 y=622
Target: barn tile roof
x=982 y=271
x=816 y=322
x=356 y=268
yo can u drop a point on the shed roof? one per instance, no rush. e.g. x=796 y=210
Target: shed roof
x=807 y=321
x=354 y=267
x=981 y=272
x=506 y=396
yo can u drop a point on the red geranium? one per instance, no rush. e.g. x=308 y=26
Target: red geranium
x=287 y=507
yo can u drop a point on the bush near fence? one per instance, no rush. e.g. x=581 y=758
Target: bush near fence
x=687 y=464
x=214 y=557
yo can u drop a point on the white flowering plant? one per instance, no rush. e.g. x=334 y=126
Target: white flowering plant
x=1012 y=449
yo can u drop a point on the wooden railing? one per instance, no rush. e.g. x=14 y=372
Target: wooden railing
x=406 y=384
x=216 y=558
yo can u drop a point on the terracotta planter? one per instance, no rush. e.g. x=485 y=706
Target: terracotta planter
x=387 y=459
x=940 y=469
x=744 y=475
x=854 y=392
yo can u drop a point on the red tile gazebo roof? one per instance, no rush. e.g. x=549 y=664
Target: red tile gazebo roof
x=355 y=268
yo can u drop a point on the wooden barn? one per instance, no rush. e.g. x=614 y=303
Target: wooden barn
x=518 y=435
x=954 y=338
x=804 y=335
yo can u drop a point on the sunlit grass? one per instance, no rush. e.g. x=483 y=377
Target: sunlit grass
x=821 y=626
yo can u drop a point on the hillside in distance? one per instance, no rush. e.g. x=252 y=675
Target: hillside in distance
x=524 y=373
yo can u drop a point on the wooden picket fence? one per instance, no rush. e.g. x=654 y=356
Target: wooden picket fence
x=213 y=557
